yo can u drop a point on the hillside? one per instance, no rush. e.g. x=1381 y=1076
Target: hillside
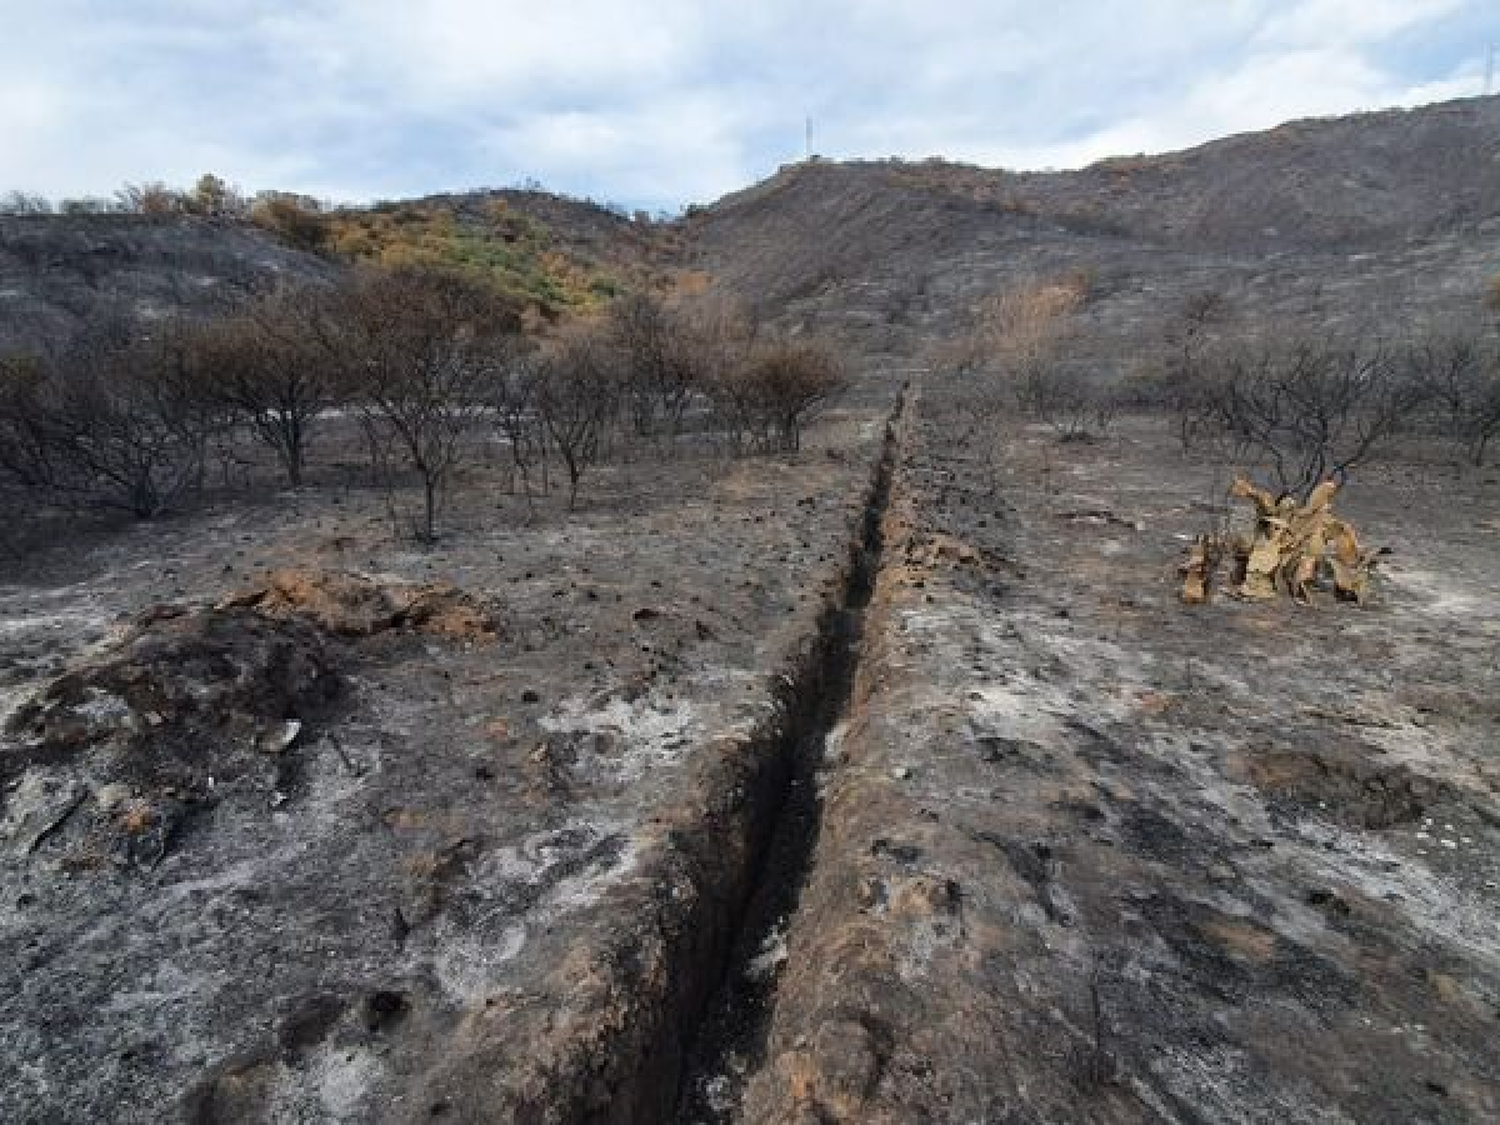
x=56 y=271
x=553 y=252
x=1353 y=219
x=1356 y=219
x=1358 y=182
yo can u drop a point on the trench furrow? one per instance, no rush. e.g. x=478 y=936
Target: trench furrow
x=728 y=1043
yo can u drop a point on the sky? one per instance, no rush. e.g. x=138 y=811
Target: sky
x=658 y=105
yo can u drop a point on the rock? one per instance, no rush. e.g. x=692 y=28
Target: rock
x=111 y=796
x=280 y=738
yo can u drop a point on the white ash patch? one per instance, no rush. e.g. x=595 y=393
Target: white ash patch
x=925 y=939
x=470 y=966
x=243 y=873
x=334 y=1084
x=36 y=623
x=31 y=804
x=83 y=630
x=337 y=774
x=1424 y=750
x=832 y=759
x=720 y=1090
x=514 y=890
x=344 y=1080
x=771 y=955
x=1445 y=596
x=1218 y=1078
x=12 y=699
x=1429 y=902
x=1022 y=707
x=640 y=736
x=167 y=984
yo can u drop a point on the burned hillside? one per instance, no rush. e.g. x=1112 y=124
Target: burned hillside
x=521 y=662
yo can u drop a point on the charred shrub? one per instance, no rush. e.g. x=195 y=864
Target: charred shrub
x=663 y=363
x=421 y=348
x=577 y=399
x=1307 y=411
x=766 y=401
x=275 y=368
x=1460 y=377
x=120 y=419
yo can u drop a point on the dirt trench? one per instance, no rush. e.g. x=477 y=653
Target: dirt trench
x=729 y=1041
x=664 y=1003
x=1073 y=869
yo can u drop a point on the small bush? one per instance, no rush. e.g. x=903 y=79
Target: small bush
x=768 y=400
x=421 y=349
x=119 y=420
x=295 y=220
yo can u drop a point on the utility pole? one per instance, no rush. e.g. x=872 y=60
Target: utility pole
x=808 y=139
x=1489 y=72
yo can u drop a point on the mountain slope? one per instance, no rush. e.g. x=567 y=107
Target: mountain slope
x=1355 y=220
x=558 y=254
x=1370 y=220
x=56 y=271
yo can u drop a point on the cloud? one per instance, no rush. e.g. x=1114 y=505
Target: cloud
x=661 y=104
x=1313 y=23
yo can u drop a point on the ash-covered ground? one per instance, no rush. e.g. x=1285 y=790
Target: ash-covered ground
x=304 y=824
x=1090 y=854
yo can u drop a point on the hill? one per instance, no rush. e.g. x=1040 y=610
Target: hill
x=1353 y=220
x=1368 y=221
x=555 y=253
x=56 y=271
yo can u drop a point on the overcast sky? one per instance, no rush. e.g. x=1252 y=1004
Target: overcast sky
x=663 y=103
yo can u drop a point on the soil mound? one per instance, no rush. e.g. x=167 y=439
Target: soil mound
x=186 y=685
x=350 y=605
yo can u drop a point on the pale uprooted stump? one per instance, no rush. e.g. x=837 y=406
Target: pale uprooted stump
x=1293 y=549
